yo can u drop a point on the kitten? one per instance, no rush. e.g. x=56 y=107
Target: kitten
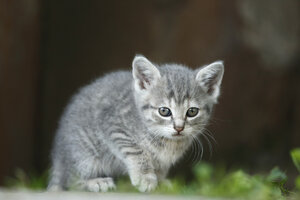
x=137 y=124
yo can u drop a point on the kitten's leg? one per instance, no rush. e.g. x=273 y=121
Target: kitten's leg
x=137 y=160
x=58 y=177
x=97 y=184
x=144 y=181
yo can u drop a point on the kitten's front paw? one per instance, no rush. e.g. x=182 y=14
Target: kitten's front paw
x=144 y=182
x=98 y=185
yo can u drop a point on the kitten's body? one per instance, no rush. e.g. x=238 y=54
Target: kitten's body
x=112 y=127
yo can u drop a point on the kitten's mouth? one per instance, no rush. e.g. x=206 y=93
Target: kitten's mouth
x=177 y=135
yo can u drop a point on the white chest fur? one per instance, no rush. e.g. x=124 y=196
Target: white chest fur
x=170 y=152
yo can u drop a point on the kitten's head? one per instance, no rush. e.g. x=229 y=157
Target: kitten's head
x=175 y=102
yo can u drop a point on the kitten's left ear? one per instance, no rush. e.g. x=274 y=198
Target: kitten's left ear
x=210 y=78
x=145 y=74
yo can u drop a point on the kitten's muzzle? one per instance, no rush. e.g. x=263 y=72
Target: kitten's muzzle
x=179 y=128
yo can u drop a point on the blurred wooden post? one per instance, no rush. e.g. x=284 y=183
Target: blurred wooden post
x=19 y=64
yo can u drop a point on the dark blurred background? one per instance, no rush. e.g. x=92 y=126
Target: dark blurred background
x=48 y=49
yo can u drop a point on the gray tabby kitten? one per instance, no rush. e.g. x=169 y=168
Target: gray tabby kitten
x=137 y=124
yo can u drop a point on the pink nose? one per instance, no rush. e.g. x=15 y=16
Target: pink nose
x=179 y=129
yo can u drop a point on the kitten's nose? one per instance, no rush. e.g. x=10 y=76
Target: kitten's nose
x=179 y=128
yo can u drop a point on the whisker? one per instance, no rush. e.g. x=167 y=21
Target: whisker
x=194 y=150
x=202 y=151
x=198 y=149
x=209 y=134
x=209 y=144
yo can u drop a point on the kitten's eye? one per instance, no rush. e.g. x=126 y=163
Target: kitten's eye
x=165 y=112
x=192 y=112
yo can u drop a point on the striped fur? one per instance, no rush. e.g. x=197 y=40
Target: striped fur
x=112 y=126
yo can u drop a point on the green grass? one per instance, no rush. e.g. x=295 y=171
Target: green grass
x=213 y=181
x=30 y=181
x=295 y=154
x=216 y=182
x=209 y=181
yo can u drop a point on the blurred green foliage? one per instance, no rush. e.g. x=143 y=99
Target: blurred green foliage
x=30 y=181
x=209 y=181
x=213 y=181
x=217 y=182
x=295 y=154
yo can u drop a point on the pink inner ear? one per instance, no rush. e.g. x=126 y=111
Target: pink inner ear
x=142 y=86
x=142 y=80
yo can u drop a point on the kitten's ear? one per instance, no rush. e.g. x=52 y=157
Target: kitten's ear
x=145 y=74
x=210 y=78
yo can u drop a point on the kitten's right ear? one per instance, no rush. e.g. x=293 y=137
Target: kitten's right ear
x=145 y=74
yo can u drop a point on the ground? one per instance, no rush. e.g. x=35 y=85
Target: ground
x=30 y=195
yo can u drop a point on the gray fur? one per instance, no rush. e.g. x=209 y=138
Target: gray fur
x=112 y=126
